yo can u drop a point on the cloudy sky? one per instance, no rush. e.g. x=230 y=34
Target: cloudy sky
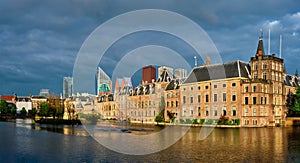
x=39 y=41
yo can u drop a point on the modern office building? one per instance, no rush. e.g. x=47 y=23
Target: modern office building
x=45 y=92
x=67 y=87
x=180 y=73
x=104 y=83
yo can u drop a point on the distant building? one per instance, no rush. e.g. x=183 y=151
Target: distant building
x=180 y=73
x=45 y=92
x=170 y=70
x=104 y=83
x=23 y=102
x=148 y=74
x=67 y=87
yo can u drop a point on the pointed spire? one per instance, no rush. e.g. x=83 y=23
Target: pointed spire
x=296 y=73
x=260 y=46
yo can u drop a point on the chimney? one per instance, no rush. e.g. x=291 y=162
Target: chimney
x=207 y=60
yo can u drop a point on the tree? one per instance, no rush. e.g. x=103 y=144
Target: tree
x=23 y=111
x=34 y=112
x=56 y=106
x=296 y=97
x=159 y=118
x=3 y=107
x=13 y=111
x=45 y=109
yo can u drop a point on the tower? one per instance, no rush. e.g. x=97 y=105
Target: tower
x=67 y=87
x=148 y=74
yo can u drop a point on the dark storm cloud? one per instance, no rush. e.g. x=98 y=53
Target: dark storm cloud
x=40 y=39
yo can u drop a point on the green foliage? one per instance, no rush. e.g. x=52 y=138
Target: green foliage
x=209 y=121
x=23 y=111
x=223 y=120
x=238 y=121
x=202 y=121
x=34 y=111
x=159 y=118
x=3 y=107
x=13 y=110
x=173 y=119
x=195 y=121
x=296 y=106
x=45 y=109
x=181 y=121
x=188 y=121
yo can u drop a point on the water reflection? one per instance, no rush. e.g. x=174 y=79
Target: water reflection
x=22 y=142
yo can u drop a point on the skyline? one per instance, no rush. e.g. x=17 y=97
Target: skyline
x=40 y=41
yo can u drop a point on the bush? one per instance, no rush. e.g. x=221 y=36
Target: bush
x=159 y=118
x=181 y=121
x=23 y=111
x=238 y=121
x=188 y=121
x=209 y=121
x=195 y=121
x=202 y=121
x=228 y=123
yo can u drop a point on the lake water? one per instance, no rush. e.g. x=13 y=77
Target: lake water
x=22 y=142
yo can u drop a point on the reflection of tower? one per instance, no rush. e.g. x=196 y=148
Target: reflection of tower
x=180 y=73
x=104 y=83
x=148 y=74
x=168 y=69
x=67 y=87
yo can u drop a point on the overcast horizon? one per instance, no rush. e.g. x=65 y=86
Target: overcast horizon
x=40 y=40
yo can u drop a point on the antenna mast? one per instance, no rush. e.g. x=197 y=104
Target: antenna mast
x=269 y=44
x=280 y=44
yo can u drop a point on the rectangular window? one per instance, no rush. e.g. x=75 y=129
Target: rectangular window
x=246 y=100
x=224 y=97
x=246 y=89
x=183 y=111
x=254 y=100
x=199 y=87
x=233 y=98
x=233 y=111
x=254 y=122
x=261 y=100
x=266 y=102
x=233 y=84
x=206 y=98
x=254 y=111
x=254 y=88
x=206 y=87
x=199 y=98
x=224 y=85
x=215 y=86
x=246 y=122
x=184 y=99
x=191 y=112
x=224 y=111
x=215 y=111
x=206 y=111
x=192 y=100
x=215 y=97
x=246 y=112
x=199 y=111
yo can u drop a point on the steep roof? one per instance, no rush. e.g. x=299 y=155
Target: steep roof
x=174 y=84
x=165 y=76
x=260 y=46
x=218 y=71
x=291 y=80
